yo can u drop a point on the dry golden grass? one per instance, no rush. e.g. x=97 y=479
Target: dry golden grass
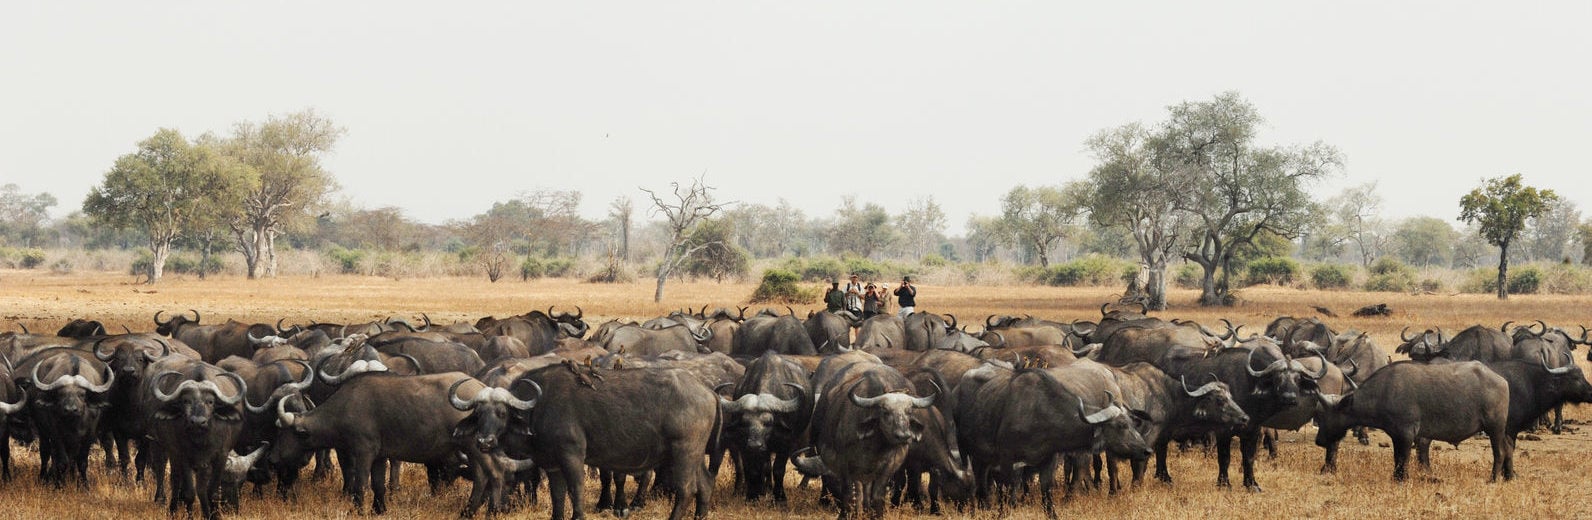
x=1549 y=469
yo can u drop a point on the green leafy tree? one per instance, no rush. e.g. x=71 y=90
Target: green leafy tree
x=1132 y=189
x=1501 y=207
x=22 y=214
x=922 y=227
x=283 y=155
x=164 y=189
x=1237 y=188
x=1584 y=231
x=721 y=258
x=1039 y=217
x=983 y=236
x=1425 y=241
x=861 y=230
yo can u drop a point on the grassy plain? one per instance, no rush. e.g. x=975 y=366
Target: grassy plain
x=1549 y=467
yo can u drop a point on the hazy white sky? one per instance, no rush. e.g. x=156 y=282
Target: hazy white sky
x=451 y=106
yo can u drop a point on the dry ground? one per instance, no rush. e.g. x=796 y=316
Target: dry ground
x=1548 y=485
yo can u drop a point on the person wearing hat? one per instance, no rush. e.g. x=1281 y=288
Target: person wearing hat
x=870 y=300
x=854 y=294
x=834 y=299
x=907 y=296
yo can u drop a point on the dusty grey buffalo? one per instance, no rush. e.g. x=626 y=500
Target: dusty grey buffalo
x=641 y=341
x=781 y=334
x=213 y=342
x=1475 y=343
x=831 y=330
x=882 y=331
x=1416 y=403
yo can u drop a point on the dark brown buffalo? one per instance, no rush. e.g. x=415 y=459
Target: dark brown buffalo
x=196 y=416
x=491 y=411
x=81 y=328
x=13 y=402
x=539 y=331
x=780 y=334
x=1416 y=403
x=627 y=421
x=213 y=342
x=68 y=390
x=375 y=418
x=864 y=424
x=1172 y=410
x=1475 y=343
x=129 y=355
x=765 y=420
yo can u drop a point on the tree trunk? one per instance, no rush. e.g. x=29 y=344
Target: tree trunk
x=1155 y=286
x=204 y=256
x=157 y=267
x=249 y=245
x=664 y=268
x=1208 y=295
x=270 y=253
x=1503 y=271
x=1044 y=259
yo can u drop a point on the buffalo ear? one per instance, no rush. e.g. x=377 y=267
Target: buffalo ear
x=1140 y=415
x=467 y=426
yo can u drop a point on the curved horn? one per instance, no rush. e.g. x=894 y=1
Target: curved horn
x=579 y=313
x=165 y=348
x=516 y=403
x=195 y=315
x=1105 y=414
x=1544 y=329
x=162 y=396
x=789 y=405
x=45 y=387
x=1232 y=331
x=1503 y=328
x=953 y=320
x=927 y=401
x=1349 y=374
x=790 y=310
x=460 y=404
x=101 y=355
x=865 y=402
x=1103 y=309
x=238 y=465
x=284 y=418
x=110 y=379
x=159 y=323
x=126 y=330
x=279 y=321
x=999 y=336
x=1249 y=365
x=427 y=320
x=11 y=408
x=419 y=370
x=742 y=314
x=987 y=323
x=809 y=464
x=1202 y=390
x=1322 y=373
x=510 y=465
x=1569 y=363
x=236 y=396
x=253 y=340
x=1405 y=337
x=1086 y=350
x=25 y=330
x=728 y=405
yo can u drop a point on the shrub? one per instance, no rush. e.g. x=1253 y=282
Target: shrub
x=30 y=258
x=1332 y=276
x=822 y=270
x=1092 y=270
x=559 y=267
x=781 y=286
x=347 y=260
x=1390 y=275
x=532 y=268
x=1189 y=276
x=1432 y=285
x=1525 y=279
x=863 y=267
x=62 y=266
x=1567 y=279
x=932 y=260
x=1276 y=270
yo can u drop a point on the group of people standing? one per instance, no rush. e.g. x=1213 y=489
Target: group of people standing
x=868 y=300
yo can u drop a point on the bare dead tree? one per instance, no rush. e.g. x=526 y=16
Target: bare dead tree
x=687 y=208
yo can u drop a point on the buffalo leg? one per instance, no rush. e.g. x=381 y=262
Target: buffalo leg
x=1423 y=454
x=1503 y=447
x=1363 y=435
x=1161 y=473
x=639 y=499
x=777 y=476
x=207 y=485
x=557 y=488
x=1401 y=456
x=1558 y=419
x=480 y=482
x=181 y=489
x=620 y=508
x=378 y=485
x=1249 y=444
x=605 y=497
x=1047 y=479
x=1330 y=462
x=323 y=466
x=1224 y=456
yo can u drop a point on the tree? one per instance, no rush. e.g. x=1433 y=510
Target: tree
x=1501 y=207
x=1584 y=232
x=162 y=189
x=1425 y=241
x=983 y=236
x=493 y=233
x=861 y=230
x=22 y=215
x=721 y=258
x=621 y=210
x=284 y=155
x=1237 y=189
x=922 y=226
x=683 y=211
x=1038 y=217
x=1551 y=236
x=1355 y=211
x=1133 y=190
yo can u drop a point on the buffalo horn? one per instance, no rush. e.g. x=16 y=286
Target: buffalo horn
x=238 y=465
x=510 y=465
x=236 y=396
x=809 y=464
x=284 y=418
x=1543 y=330
x=1568 y=365
x=1104 y=414
x=1249 y=364
x=987 y=319
x=1504 y=328
x=927 y=401
x=162 y=396
x=100 y=355
x=1405 y=337
x=195 y=315
x=1202 y=390
x=11 y=408
x=865 y=402
x=460 y=404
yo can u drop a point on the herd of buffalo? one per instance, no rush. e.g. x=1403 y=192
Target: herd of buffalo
x=868 y=407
